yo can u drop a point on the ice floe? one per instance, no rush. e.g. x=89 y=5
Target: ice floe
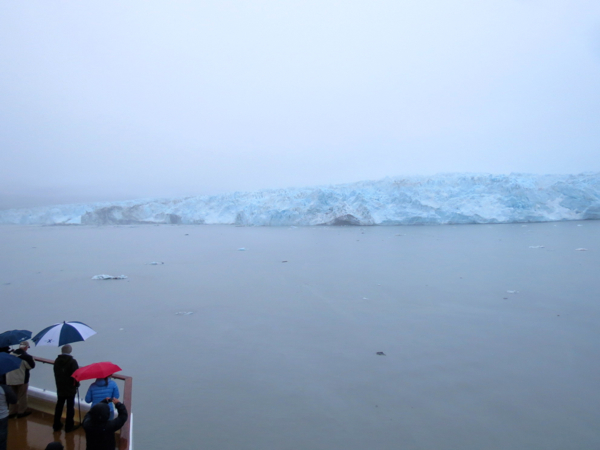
x=108 y=277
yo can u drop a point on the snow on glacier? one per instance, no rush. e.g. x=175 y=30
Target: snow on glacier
x=439 y=199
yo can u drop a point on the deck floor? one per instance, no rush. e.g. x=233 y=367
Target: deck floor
x=35 y=432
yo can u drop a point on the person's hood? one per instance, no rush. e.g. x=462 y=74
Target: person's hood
x=100 y=412
x=101 y=382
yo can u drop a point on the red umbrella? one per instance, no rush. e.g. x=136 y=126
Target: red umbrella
x=95 y=370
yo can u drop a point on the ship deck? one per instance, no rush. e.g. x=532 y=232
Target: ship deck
x=34 y=432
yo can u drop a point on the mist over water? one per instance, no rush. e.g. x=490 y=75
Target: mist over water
x=280 y=348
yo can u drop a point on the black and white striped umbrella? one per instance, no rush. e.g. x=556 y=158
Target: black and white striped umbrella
x=63 y=333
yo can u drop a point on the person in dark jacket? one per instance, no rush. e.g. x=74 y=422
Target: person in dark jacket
x=3 y=376
x=99 y=431
x=66 y=388
x=7 y=397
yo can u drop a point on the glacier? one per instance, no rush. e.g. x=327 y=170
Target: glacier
x=439 y=199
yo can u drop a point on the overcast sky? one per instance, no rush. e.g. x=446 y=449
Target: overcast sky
x=125 y=99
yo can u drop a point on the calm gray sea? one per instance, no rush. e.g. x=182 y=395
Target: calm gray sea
x=280 y=351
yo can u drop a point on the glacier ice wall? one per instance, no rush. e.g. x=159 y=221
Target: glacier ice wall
x=440 y=199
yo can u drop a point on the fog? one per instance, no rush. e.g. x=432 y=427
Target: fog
x=118 y=100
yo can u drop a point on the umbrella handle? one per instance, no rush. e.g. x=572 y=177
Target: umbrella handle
x=79 y=404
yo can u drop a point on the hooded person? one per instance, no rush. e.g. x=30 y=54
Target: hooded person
x=66 y=388
x=99 y=390
x=99 y=430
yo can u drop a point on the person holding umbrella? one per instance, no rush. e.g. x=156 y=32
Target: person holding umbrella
x=19 y=381
x=8 y=338
x=66 y=388
x=63 y=334
x=102 y=388
x=99 y=390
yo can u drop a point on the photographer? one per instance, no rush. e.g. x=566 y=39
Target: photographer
x=99 y=430
x=18 y=380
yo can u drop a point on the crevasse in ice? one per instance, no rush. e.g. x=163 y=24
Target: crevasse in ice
x=439 y=199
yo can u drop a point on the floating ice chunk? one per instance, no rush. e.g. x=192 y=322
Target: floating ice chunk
x=121 y=329
x=380 y=353
x=513 y=292
x=108 y=277
x=579 y=225
x=156 y=263
x=536 y=246
x=241 y=249
x=581 y=249
x=184 y=313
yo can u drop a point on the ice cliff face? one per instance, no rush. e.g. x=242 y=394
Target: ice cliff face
x=441 y=199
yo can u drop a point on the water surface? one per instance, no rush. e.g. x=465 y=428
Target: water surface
x=280 y=349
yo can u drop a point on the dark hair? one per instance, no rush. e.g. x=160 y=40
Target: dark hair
x=54 y=446
x=100 y=412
